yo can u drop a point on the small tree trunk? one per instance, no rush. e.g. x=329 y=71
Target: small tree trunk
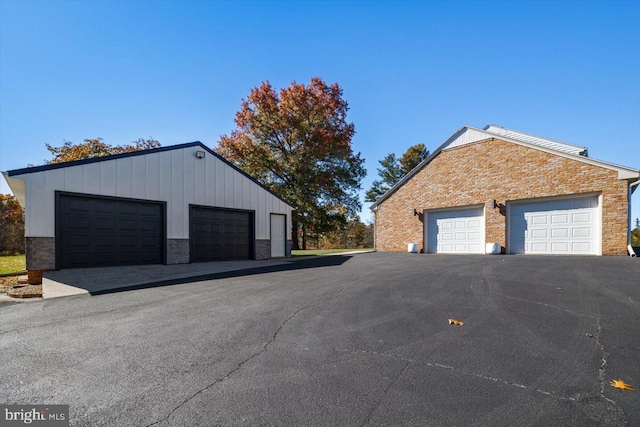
x=304 y=238
x=295 y=242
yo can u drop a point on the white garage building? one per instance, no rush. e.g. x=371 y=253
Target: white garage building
x=169 y=205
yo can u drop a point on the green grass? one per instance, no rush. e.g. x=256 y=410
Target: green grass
x=11 y=264
x=323 y=251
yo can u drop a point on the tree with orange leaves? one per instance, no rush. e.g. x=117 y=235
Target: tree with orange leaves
x=11 y=226
x=95 y=148
x=298 y=143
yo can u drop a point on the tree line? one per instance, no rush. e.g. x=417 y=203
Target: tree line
x=298 y=143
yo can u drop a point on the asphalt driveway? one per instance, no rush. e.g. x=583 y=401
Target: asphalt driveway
x=344 y=340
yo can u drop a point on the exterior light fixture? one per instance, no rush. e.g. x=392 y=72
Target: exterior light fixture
x=495 y=204
x=200 y=154
x=415 y=212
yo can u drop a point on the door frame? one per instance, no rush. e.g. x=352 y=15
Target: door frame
x=252 y=227
x=284 y=237
x=510 y=203
x=58 y=226
x=425 y=223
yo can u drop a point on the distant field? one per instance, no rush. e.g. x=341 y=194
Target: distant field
x=10 y=264
x=324 y=251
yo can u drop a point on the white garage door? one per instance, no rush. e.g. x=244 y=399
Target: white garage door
x=563 y=227
x=456 y=231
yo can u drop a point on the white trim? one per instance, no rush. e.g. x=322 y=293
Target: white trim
x=510 y=203
x=425 y=223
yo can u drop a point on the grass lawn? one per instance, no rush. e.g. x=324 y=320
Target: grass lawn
x=11 y=264
x=323 y=251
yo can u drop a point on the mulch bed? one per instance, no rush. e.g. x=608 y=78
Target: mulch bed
x=10 y=285
x=7 y=282
x=25 y=291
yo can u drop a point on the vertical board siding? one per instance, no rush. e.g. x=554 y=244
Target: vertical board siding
x=176 y=177
x=139 y=177
x=36 y=188
x=199 y=177
x=219 y=183
x=124 y=177
x=91 y=180
x=152 y=176
x=73 y=179
x=177 y=218
x=108 y=183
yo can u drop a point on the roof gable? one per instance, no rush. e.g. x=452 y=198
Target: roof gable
x=29 y=170
x=467 y=135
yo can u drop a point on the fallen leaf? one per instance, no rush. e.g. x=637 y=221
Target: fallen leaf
x=621 y=385
x=455 y=322
x=591 y=336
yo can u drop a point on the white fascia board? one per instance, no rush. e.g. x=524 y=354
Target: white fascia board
x=17 y=187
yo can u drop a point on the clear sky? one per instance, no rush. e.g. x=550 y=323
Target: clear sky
x=412 y=71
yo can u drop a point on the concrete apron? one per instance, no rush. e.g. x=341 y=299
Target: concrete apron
x=81 y=281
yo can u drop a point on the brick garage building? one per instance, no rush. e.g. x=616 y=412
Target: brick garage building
x=528 y=194
x=171 y=205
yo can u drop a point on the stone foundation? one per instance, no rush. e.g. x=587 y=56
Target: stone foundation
x=177 y=251
x=41 y=253
x=263 y=249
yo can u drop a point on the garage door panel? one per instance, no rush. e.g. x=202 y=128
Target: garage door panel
x=583 y=247
x=94 y=231
x=570 y=227
x=581 y=232
x=581 y=217
x=78 y=205
x=218 y=234
x=474 y=248
x=456 y=231
x=104 y=224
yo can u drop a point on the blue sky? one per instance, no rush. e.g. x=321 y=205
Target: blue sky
x=412 y=71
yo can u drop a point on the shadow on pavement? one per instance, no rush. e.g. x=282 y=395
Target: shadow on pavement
x=296 y=264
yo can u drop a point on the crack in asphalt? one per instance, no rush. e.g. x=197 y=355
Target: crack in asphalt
x=603 y=363
x=548 y=305
x=253 y=356
x=602 y=369
x=431 y=365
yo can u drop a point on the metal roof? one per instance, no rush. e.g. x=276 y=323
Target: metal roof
x=537 y=140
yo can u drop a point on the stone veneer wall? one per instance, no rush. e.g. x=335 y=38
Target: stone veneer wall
x=493 y=169
x=263 y=249
x=41 y=253
x=177 y=251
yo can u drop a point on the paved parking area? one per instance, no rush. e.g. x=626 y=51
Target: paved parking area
x=343 y=340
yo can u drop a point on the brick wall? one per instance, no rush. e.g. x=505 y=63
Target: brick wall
x=492 y=169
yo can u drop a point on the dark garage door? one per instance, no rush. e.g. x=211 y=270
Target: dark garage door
x=220 y=234
x=100 y=232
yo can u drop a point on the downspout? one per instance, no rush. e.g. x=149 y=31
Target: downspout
x=632 y=187
x=375 y=229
